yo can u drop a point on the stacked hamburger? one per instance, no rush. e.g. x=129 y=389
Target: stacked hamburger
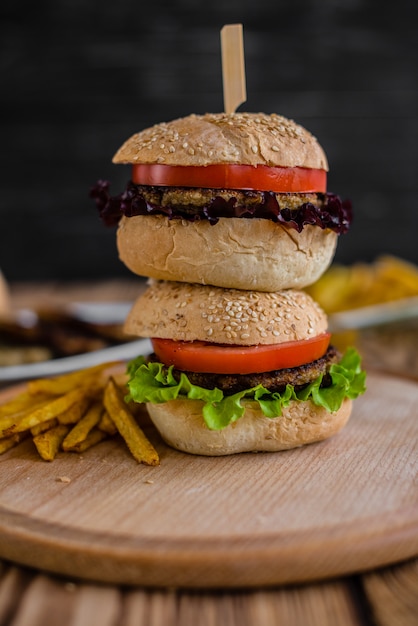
x=229 y=217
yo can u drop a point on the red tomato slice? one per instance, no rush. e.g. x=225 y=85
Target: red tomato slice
x=204 y=357
x=261 y=178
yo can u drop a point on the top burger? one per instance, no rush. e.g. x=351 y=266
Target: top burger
x=231 y=200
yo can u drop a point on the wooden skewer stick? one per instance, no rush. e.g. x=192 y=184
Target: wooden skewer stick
x=233 y=67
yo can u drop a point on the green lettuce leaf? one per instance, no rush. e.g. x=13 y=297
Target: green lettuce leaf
x=153 y=382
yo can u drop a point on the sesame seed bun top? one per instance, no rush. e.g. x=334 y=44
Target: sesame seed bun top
x=189 y=312
x=233 y=138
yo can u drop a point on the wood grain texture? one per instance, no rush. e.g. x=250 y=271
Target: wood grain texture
x=30 y=598
x=393 y=595
x=346 y=505
x=383 y=597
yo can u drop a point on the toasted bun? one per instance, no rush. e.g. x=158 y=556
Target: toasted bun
x=235 y=138
x=186 y=312
x=259 y=255
x=181 y=425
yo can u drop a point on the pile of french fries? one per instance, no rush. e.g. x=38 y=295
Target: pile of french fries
x=73 y=412
x=342 y=288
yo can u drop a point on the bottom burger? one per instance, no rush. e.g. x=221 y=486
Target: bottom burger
x=238 y=371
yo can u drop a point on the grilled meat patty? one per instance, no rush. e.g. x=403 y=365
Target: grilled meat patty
x=295 y=210
x=273 y=381
x=191 y=199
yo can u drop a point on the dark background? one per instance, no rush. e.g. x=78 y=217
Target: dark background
x=78 y=77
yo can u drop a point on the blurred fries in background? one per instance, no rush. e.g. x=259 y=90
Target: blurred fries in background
x=392 y=347
x=348 y=287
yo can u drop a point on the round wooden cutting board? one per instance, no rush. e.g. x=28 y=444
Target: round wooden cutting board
x=337 y=507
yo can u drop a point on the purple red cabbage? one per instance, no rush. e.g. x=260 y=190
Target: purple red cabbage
x=334 y=214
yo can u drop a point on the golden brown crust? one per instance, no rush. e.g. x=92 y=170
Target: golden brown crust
x=253 y=254
x=235 y=138
x=181 y=425
x=186 y=312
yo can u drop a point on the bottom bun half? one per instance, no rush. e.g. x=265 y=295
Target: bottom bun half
x=181 y=425
x=249 y=254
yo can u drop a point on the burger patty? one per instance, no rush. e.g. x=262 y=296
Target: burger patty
x=192 y=199
x=275 y=380
x=212 y=204
x=294 y=210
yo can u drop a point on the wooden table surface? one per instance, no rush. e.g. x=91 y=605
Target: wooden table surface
x=28 y=597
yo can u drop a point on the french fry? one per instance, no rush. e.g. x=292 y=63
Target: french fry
x=63 y=384
x=44 y=413
x=10 y=442
x=82 y=428
x=14 y=418
x=43 y=426
x=106 y=425
x=141 y=449
x=48 y=443
x=19 y=403
x=95 y=436
x=74 y=412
